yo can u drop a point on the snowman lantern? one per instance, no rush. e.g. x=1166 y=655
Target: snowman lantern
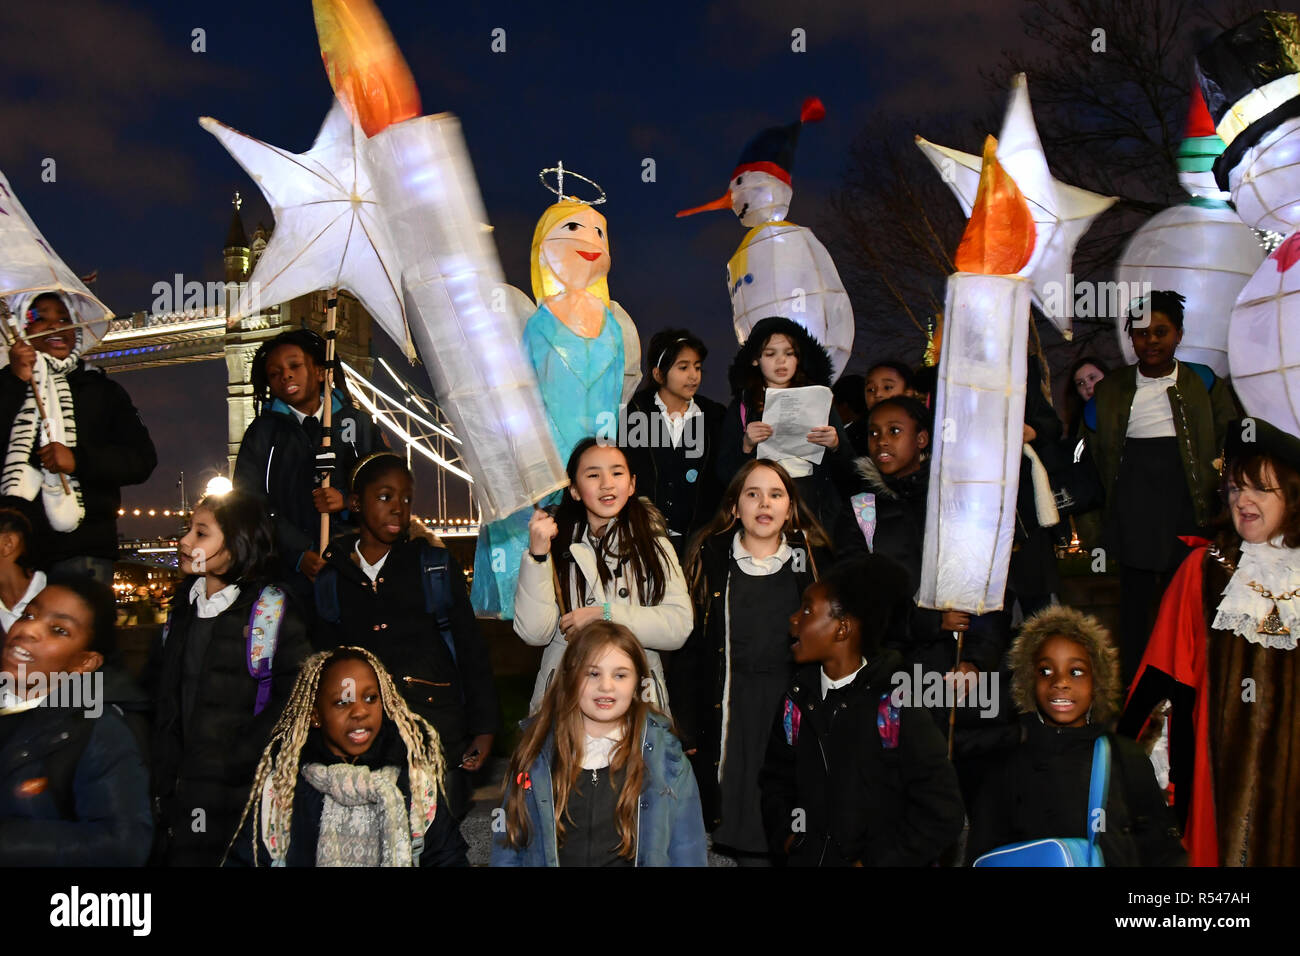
x=1200 y=248
x=780 y=268
x=1250 y=78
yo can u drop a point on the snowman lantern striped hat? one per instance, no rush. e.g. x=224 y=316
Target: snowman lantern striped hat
x=771 y=151
x=1250 y=78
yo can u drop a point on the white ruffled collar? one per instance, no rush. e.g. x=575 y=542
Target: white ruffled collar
x=1243 y=609
x=597 y=750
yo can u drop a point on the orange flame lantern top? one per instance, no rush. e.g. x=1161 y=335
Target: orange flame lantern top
x=364 y=65
x=999 y=238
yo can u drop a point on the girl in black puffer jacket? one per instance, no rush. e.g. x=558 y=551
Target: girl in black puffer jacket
x=215 y=706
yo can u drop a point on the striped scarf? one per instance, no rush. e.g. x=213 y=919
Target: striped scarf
x=23 y=479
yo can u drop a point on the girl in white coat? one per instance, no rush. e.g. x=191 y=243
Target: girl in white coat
x=615 y=562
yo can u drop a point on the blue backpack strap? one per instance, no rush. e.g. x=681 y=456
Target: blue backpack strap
x=1204 y=372
x=437 y=591
x=1098 y=789
x=326 y=593
x=263 y=631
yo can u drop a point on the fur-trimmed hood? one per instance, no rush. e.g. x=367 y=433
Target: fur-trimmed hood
x=1079 y=627
x=916 y=483
x=813 y=358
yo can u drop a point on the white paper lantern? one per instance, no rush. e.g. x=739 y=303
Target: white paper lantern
x=29 y=266
x=1062 y=213
x=978 y=441
x=785 y=270
x=1202 y=250
x=450 y=271
x=1264 y=340
x=329 y=229
x=1265 y=183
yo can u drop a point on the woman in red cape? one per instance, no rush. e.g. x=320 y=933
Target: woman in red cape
x=1223 y=653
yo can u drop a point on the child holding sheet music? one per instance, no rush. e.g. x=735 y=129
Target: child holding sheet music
x=781 y=354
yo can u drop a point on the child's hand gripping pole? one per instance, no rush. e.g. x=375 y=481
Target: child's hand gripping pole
x=331 y=308
x=18 y=335
x=952 y=711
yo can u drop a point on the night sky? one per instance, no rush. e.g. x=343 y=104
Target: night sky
x=112 y=92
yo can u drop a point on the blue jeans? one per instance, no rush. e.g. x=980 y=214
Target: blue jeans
x=100 y=569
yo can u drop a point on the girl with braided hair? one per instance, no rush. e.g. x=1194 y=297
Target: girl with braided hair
x=351 y=777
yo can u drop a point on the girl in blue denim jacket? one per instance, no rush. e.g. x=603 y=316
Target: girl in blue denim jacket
x=599 y=779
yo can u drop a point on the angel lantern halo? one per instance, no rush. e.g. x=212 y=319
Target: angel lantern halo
x=558 y=188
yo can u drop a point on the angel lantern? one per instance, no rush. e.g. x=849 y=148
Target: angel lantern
x=1250 y=77
x=586 y=354
x=780 y=268
x=1200 y=247
x=30 y=268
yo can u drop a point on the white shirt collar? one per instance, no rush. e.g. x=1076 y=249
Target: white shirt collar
x=316 y=415
x=370 y=570
x=212 y=606
x=1164 y=381
x=10 y=703
x=759 y=566
x=597 y=750
x=691 y=409
x=829 y=685
x=9 y=615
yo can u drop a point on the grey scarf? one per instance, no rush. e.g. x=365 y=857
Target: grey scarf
x=365 y=821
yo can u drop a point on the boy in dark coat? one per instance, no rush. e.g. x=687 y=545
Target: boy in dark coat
x=386 y=610
x=97 y=443
x=74 y=790
x=281 y=457
x=850 y=778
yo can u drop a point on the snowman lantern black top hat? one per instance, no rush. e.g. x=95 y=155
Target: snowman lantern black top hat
x=771 y=151
x=1250 y=78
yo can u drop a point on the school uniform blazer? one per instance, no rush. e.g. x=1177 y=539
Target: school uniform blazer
x=661 y=627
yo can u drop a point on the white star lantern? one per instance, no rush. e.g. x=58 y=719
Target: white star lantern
x=1062 y=213
x=329 y=230
x=29 y=266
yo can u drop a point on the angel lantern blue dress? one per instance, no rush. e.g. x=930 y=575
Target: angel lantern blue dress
x=580 y=379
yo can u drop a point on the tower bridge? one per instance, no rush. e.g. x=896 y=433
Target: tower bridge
x=161 y=338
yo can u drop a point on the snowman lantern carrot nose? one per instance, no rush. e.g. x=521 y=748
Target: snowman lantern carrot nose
x=771 y=152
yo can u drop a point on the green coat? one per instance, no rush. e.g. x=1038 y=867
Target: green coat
x=1201 y=418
